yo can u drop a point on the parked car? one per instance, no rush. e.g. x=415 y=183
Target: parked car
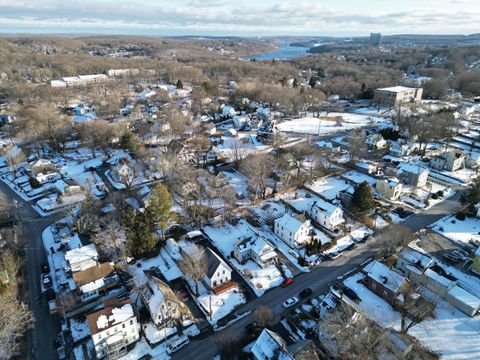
x=176 y=343
x=350 y=293
x=290 y=302
x=287 y=282
x=61 y=353
x=335 y=255
x=293 y=253
x=305 y=293
x=52 y=306
x=46 y=281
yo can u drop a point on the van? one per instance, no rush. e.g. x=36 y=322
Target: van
x=176 y=343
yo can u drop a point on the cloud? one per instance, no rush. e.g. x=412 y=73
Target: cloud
x=246 y=17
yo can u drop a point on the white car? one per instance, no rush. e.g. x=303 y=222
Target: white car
x=290 y=302
x=176 y=343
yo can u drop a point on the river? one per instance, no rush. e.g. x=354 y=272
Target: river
x=284 y=52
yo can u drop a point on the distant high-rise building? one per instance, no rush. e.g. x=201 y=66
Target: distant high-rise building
x=375 y=39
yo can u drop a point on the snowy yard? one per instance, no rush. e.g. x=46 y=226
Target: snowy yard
x=239 y=147
x=329 y=188
x=142 y=349
x=449 y=332
x=329 y=124
x=465 y=231
x=222 y=304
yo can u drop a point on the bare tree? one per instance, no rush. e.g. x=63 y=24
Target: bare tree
x=5 y=210
x=355 y=336
x=87 y=217
x=194 y=266
x=15 y=317
x=13 y=157
x=263 y=315
x=412 y=307
x=228 y=343
x=395 y=236
x=111 y=241
x=258 y=169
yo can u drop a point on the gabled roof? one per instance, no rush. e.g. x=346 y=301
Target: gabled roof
x=93 y=274
x=88 y=252
x=385 y=276
x=213 y=262
x=110 y=316
x=290 y=223
x=159 y=292
x=269 y=346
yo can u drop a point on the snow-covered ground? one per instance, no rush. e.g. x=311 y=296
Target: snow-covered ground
x=358 y=177
x=239 y=147
x=239 y=183
x=79 y=329
x=222 y=304
x=465 y=231
x=154 y=335
x=448 y=332
x=329 y=124
x=142 y=349
x=329 y=188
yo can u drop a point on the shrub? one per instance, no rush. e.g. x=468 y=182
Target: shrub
x=34 y=183
x=440 y=193
x=435 y=196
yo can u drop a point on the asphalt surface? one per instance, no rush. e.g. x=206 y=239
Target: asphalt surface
x=40 y=338
x=319 y=280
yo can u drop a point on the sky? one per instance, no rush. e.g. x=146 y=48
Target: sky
x=240 y=17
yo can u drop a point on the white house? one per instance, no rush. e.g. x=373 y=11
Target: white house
x=390 y=189
x=254 y=247
x=292 y=231
x=112 y=329
x=415 y=175
x=326 y=214
x=218 y=272
x=161 y=302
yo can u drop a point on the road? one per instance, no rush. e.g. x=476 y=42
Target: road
x=40 y=338
x=318 y=280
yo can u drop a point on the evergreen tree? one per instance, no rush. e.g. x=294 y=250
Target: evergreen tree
x=362 y=199
x=159 y=206
x=128 y=141
x=179 y=84
x=295 y=83
x=141 y=237
x=313 y=82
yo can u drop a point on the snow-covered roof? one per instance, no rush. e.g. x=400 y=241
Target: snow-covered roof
x=289 y=223
x=438 y=278
x=415 y=257
x=383 y=275
x=465 y=297
x=88 y=252
x=110 y=316
x=397 y=89
x=410 y=168
x=324 y=206
x=268 y=346
x=255 y=243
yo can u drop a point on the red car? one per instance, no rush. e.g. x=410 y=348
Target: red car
x=287 y=282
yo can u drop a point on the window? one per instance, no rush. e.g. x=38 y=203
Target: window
x=223 y=272
x=123 y=326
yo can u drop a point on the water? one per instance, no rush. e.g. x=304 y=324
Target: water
x=284 y=52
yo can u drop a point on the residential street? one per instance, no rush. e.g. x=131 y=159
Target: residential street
x=40 y=338
x=318 y=280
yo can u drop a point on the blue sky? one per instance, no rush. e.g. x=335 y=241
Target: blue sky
x=240 y=17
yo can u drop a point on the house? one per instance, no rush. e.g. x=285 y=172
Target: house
x=42 y=166
x=91 y=282
x=254 y=247
x=383 y=281
x=397 y=95
x=451 y=161
x=401 y=147
x=228 y=112
x=82 y=258
x=415 y=175
x=410 y=259
x=376 y=141
x=293 y=231
x=326 y=214
x=270 y=346
x=164 y=306
x=113 y=329
x=218 y=272
x=390 y=189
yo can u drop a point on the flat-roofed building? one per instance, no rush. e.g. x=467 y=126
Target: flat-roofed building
x=396 y=95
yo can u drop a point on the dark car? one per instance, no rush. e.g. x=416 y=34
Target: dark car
x=287 y=282
x=351 y=294
x=305 y=293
